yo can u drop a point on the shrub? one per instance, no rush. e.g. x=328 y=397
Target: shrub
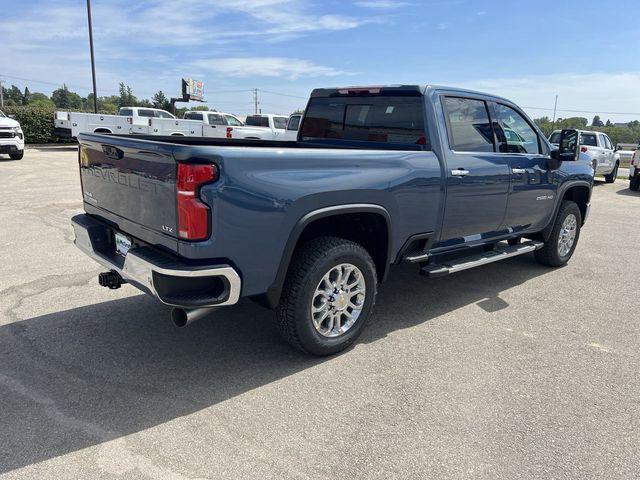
x=36 y=122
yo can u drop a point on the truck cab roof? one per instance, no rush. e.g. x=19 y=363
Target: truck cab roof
x=144 y=112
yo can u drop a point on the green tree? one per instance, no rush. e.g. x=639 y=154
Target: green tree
x=160 y=100
x=26 y=96
x=608 y=124
x=37 y=99
x=126 y=97
x=12 y=96
x=66 y=99
x=597 y=122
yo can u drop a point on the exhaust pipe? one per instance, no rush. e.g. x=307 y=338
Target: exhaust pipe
x=182 y=317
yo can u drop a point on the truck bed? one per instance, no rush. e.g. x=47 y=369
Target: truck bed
x=232 y=142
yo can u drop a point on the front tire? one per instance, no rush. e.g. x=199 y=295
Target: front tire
x=562 y=242
x=610 y=178
x=17 y=156
x=634 y=184
x=328 y=296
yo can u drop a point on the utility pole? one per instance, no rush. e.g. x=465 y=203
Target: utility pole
x=1 y=94
x=255 y=100
x=555 y=108
x=93 y=62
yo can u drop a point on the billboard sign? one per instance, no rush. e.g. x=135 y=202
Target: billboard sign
x=192 y=90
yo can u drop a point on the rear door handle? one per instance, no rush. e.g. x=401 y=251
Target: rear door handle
x=518 y=171
x=459 y=172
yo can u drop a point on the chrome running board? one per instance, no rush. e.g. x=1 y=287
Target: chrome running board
x=501 y=252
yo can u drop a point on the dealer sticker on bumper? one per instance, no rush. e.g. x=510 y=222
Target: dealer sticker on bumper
x=123 y=244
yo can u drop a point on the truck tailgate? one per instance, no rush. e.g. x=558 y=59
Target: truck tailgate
x=130 y=179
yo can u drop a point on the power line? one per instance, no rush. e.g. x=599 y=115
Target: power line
x=283 y=94
x=597 y=112
x=271 y=92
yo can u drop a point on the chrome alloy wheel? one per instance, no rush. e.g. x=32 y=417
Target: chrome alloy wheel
x=338 y=300
x=567 y=235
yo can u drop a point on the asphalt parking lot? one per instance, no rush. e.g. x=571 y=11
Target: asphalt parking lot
x=508 y=371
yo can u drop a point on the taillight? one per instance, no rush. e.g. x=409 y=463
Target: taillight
x=193 y=215
x=149 y=122
x=129 y=120
x=584 y=149
x=229 y=130
x=69 y=116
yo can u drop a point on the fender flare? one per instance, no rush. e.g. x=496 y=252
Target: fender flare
x=546 y=232
x=272 y=296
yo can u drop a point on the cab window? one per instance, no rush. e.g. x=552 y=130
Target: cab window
x=468 y=123
x=193 y=116
x=588 y=139
x=233 y=121
x=515 y=134
x=215 y=119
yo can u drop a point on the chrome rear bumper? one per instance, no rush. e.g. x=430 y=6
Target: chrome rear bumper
x=155 y=272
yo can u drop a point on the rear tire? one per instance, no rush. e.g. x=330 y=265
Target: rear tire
x=313 y=310
x=17 y=156
x=634 y=184
x=562 y=242
x=611 y=177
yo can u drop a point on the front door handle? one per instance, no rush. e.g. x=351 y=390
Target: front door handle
x=518 y=171
x=459 y=172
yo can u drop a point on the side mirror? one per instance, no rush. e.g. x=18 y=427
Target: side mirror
x=568 y=149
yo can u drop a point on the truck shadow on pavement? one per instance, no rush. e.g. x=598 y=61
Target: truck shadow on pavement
x=80 y=377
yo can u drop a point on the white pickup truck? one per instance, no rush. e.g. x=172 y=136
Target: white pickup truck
x=262 y=127
x=196 y=123
x=128 y=120
x=11 y=137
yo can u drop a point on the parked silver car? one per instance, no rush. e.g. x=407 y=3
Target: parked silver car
x=599 y=148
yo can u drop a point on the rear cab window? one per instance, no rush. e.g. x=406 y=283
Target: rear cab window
x=257 y=121
x=142 y=112
x=193 y=116
x=126 y=112
x=588 y=139
x=388 y=119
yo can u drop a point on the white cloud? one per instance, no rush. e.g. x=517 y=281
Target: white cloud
x=289 y=68
x=381 y=4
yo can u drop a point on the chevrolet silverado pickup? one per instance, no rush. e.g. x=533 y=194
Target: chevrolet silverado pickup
x=377 y=176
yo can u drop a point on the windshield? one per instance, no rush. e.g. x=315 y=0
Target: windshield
x=280 y=122
x=294 y=122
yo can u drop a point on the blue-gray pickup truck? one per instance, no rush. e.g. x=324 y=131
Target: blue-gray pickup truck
x=445 y=178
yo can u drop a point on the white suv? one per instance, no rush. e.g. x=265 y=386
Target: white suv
x=599 y=148
x=11 y=137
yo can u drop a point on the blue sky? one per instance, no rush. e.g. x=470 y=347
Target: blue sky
x=529 y=51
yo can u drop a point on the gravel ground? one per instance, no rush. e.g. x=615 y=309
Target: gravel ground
x=508 y=371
